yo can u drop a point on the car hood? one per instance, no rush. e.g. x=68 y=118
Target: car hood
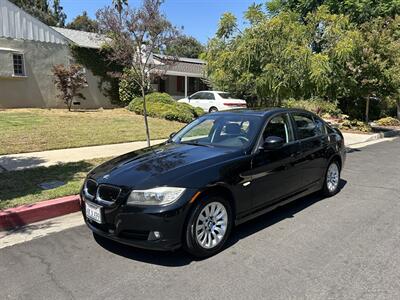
x=159 y=165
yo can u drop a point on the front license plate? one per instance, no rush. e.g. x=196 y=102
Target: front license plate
x=93 y=212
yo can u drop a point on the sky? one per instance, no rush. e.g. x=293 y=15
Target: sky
x=199 y=18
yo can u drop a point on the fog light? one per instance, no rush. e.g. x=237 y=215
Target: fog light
x=154 y=235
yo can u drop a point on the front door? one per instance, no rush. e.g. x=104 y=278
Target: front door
x=275 y=172
x=196 y=100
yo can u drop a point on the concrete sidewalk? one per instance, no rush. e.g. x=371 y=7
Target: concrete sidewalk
x=13 y=162
x=357 y=138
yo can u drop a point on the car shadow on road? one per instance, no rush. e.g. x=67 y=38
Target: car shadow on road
x=277 y=215
x=352 y=150
x=180 y=258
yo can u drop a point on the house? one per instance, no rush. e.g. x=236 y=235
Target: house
x=183 y=77
x=29 y=49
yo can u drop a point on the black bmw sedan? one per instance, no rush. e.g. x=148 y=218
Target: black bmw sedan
x=219 y=171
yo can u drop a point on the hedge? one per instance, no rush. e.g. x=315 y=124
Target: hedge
x=162 y=105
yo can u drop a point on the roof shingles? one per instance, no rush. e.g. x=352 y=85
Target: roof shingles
x=83 y=38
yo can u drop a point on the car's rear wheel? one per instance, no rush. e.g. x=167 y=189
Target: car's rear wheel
x=208 y=227
x=332 y=179
x=213 y=109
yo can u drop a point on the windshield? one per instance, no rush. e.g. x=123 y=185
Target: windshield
x=233 y=131
x=225 y=95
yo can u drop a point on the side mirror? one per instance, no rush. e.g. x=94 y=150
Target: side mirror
x=273 y=143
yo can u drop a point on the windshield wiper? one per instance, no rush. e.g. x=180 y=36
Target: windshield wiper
x=196 y=144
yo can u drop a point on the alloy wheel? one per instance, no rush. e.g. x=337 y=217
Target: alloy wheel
x=211 y=225
x=332 y=177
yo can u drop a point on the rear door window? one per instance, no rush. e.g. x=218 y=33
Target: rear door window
x=208 y=96
x=320 y=126
x=306 y=127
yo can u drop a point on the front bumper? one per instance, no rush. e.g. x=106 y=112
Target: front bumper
x=135 y=225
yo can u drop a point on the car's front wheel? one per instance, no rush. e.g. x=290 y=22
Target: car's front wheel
x=332 y=179
x=208 y=226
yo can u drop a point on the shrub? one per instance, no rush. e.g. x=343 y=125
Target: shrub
x=69 y=80
x=128 y=88
x=355 y=125
x=161 y=105
x=388 y=121
x=316 y=105
x=160 y=98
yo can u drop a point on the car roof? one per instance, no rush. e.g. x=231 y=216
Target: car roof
x=209 y=91
x=262 y=112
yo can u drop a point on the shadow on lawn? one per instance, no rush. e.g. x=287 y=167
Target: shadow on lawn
x=181 y=258
x=10 y=163
x=25 y=183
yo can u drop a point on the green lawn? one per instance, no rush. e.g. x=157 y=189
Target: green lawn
x=29 y=130
x=22 y=187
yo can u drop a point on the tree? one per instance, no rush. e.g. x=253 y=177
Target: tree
x=358 y=11
x=185 y=46
x=40 y=9
x=275 y=58
x=119 y=6
x=301 y=50
x=373 y=69
x=69 y=81
x=84 y=23
x=135 y=35
x=58 y=13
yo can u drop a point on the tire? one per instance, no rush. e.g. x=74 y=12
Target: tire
x=332 y=179
x=213 y=109
x=207 y=239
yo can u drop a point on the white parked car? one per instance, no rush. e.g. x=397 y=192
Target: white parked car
x=212 y=101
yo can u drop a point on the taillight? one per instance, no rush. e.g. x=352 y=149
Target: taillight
x=235 y=104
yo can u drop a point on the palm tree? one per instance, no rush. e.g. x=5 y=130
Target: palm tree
x=119 y=6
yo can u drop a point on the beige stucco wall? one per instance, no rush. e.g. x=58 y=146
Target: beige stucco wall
x=37 y=88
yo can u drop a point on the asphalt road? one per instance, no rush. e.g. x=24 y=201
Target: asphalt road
x=344 y=247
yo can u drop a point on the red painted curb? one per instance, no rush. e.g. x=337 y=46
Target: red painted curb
x=26 y=214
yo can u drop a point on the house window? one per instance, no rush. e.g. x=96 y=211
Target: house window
x=18 y=63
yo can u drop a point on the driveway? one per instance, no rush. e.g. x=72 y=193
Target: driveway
x=344 y=247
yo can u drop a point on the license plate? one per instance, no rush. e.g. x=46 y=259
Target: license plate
x=93 y=212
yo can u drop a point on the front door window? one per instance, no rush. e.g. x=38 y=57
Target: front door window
x=279 y=126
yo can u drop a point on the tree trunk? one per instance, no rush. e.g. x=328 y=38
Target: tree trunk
x=69 y=105
x=146 y=124
x=398 y=108
x=367 y=110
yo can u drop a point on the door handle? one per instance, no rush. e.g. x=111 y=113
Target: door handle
x=296 y=154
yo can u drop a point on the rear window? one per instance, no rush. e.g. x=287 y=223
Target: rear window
x=225 y=95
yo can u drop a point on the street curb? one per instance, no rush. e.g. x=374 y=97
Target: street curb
x=378 y=136
x=383 y=133
x=26 y=214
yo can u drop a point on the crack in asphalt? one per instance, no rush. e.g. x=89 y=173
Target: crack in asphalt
x=378 y=187
x=50 y=273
